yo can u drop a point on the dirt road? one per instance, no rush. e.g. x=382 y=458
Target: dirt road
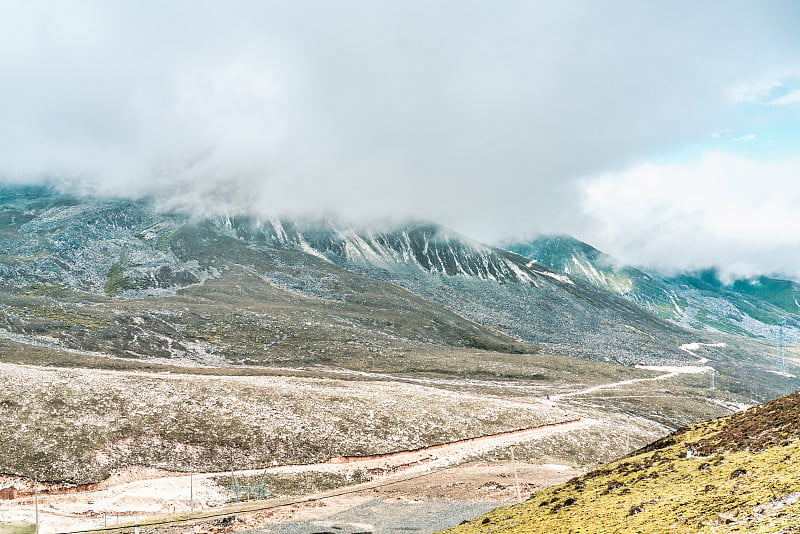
x=670 y=371
x=166 y=495
x=138 y=495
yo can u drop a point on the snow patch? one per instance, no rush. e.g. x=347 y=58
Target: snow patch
x=559 y=277
x=678 y=369
x=522 y=275
x=782 y=373
x=590 y=272
x=280 y=232
x=308 y=249
x=673 y=298
x=694 y=346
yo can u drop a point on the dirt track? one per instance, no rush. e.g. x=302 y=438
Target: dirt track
x=171 y=494
x=670 y=371
x=143 y=494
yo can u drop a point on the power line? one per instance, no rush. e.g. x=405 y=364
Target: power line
x=260 y=509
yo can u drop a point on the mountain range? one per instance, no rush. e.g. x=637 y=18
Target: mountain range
x=760 y=306
x=125 y=250
x=118 y=311
x=120 y=276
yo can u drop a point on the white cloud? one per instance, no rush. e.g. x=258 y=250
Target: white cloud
x=479 y=115
x=754 y=91
x=789 y=98
x=748 y=137
x=724 y=210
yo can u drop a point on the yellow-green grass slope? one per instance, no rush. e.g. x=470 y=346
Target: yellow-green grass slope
x=746 y=478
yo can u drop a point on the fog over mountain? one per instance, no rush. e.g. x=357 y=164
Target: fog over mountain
x=498 y=120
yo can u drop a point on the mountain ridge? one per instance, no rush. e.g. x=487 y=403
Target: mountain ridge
x=761 y=306
x=123 y=248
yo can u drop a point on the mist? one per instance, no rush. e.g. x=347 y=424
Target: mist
x=493 y=119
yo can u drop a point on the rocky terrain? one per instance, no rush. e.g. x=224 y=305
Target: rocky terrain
x=81 y=426
x=134 y=339
x=85 y=251
x=756 y=307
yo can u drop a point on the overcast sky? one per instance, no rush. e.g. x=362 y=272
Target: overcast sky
x=665 y=133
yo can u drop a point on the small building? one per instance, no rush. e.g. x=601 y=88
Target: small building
x=8 y=493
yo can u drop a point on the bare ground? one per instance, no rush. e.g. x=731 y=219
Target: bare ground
x=427 y=474
x=165 y=494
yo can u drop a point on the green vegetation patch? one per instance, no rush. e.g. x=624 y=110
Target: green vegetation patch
x=27 y=258
x=17 y=528
x=476 y=342
x=117 y=282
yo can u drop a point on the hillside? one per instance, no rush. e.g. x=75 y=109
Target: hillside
x=133 y=338
x=744 y=479
x=68 y=262
x=91 y=275
x=489 y=285
x=757 y=307
x=121 y=278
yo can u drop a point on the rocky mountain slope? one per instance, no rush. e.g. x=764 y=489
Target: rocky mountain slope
x=115 y=276
x=122 y=278
x=760 y=306
x=419 y=282
x=742 y=478
x=491 y=286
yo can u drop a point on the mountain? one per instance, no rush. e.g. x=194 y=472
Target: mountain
x=416 y=282
x=117 y=277
x=123 y=278
x=741 y=478
x=489 y=285
x=760 y=306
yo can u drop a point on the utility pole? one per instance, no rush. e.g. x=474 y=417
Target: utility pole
x=36 y=503
x=782 y=348
x=191 y=489
x=516 y=478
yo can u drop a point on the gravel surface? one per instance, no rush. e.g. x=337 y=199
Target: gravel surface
x=380 y=516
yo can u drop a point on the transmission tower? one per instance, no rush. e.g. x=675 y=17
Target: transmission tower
x=782 y=348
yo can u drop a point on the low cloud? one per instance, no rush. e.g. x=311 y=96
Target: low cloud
x=482 y=117
x=738 y=214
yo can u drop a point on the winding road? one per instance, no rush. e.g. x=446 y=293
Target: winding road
x=170 y=494
x=670 y=371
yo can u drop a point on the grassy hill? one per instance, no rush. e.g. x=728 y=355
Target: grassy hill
x=744 y=479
